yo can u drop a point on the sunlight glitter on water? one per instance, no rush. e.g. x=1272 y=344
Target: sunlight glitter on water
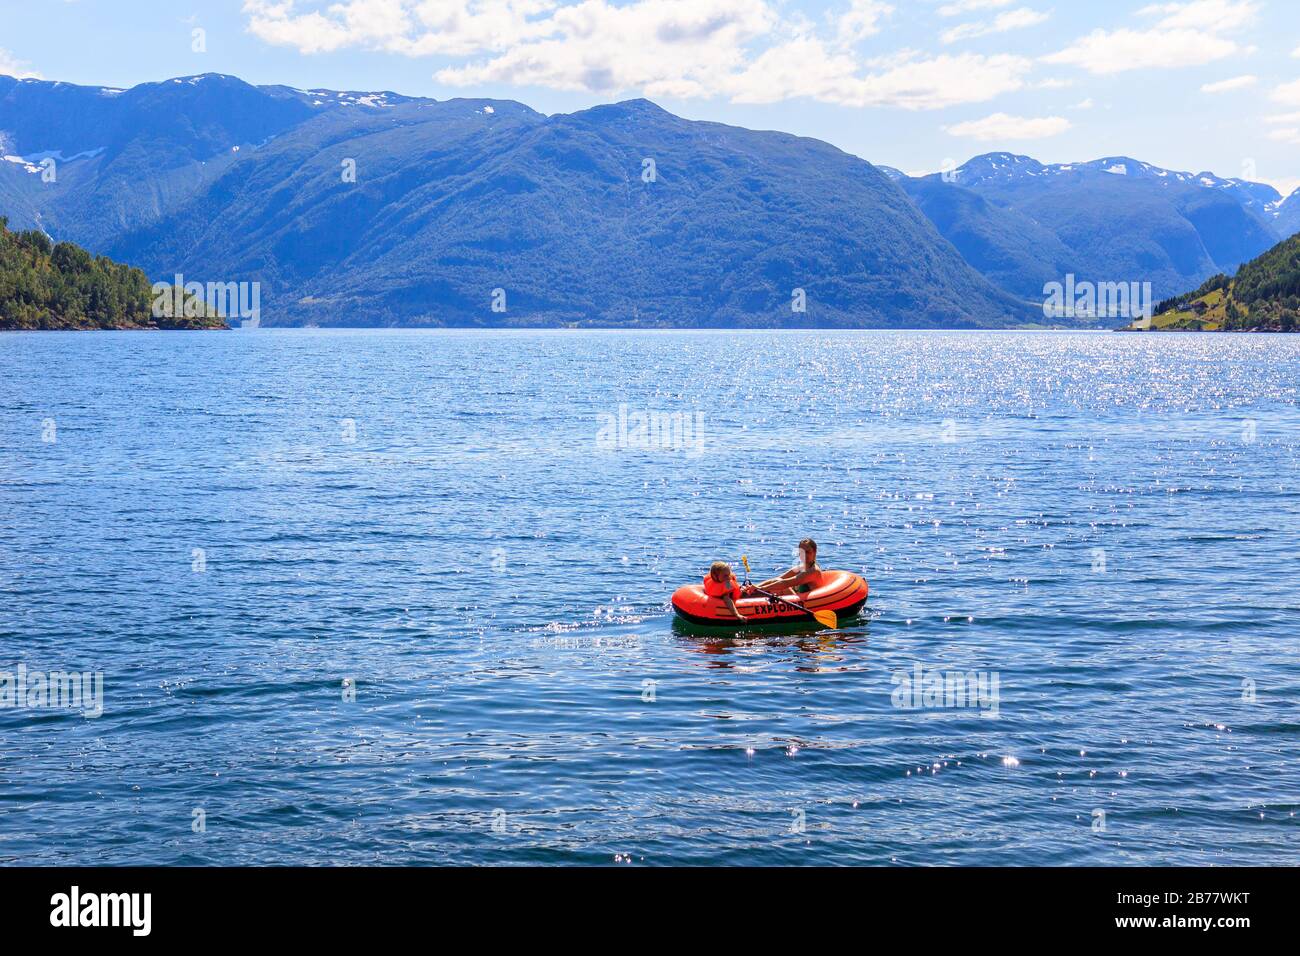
x=1087 y=516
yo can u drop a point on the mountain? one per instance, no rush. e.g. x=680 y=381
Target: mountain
x=480 y=212
x=1008 y=247
x=124 y=158
x=1288 y=215
x=44 y=285
x=1264 y=296
x=1022 y=223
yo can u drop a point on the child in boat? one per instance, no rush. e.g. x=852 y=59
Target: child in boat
x=721 y=582
x=801 y=578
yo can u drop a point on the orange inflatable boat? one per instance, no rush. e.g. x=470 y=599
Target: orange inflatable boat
x=840 y=591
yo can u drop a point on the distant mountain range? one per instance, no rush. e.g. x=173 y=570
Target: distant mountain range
x=364 y=208
x=1022 y=223
x=479 y=212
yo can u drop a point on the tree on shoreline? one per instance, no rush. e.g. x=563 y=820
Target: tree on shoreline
x=48 y=285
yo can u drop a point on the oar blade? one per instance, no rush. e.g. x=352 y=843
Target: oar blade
x=827 y=619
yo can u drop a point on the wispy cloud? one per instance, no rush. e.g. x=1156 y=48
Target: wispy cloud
x=1288 y=94
x=747 y=51
x=1000 y=127
x=1215 y=15
x=860 y=20
x=1011 y=20
x=960 y=7
x=804 y=68
x=1186 y=34
x=1227 y=86
x=10 y=65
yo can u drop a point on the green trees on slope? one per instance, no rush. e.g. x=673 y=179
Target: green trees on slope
x=47 y=285
x=1264 y=296
x=1268 y=290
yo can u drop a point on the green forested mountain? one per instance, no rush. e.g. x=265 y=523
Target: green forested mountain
x=48 y=285
x=372 y=208
x=376 y=209
x=1264 y=296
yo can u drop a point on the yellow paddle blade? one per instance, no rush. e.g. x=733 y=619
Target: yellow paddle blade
x=744 y=559
x=827 y=619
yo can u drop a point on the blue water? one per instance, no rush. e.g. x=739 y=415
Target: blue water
x=230 y=525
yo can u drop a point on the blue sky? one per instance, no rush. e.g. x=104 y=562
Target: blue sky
x=1196 y=85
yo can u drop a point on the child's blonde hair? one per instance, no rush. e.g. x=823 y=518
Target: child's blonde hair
x=720 y=570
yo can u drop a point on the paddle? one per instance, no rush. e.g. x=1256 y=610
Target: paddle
x=824 y=618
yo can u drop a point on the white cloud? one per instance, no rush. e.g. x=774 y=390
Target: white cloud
x=1085 y=104
x=1227 y=86
x=1103 y=52
x=959 y=7
x=744 y=50
x=1000 y=126
x=804 y=69
x=1289 y=135
x=1186 y=34
x=679 y=48
x=861 y=20
x=12 y=66
x=1282 y=119
x=309 y=32
x=412 y=27
x=1288 y=94
x=1016 y=19
x=1214 y=15
x=801 y=67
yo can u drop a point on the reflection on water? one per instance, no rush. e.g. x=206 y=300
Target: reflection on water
x=827 y=648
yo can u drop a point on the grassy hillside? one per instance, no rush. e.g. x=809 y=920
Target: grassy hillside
x=44 y=285
x=1264 y=296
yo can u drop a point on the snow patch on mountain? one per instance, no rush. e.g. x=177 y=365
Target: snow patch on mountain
x=32 y=161
x=1008 y=168
x=23 y=163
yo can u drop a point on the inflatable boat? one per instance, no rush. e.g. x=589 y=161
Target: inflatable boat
x=840 y=591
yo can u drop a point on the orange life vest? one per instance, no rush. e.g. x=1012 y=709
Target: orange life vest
x=718 y=588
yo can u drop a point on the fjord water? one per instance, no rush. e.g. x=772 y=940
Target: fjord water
x=230 y=525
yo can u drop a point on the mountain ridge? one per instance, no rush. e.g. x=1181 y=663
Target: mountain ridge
x=1109 y=219
x=453 y=200
x=984 y=167
x=209 y=173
